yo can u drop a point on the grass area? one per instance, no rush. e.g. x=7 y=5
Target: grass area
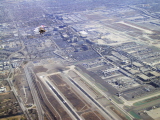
x=101 y=87
x=89 y=77
x=78 y=69
x=91 y=87
x=146 y=101
x=128 y=118
x=84 y=74
x=139 y=103
x=121 y=114
x=92 y=80
x=117 y=100
x=135 y=115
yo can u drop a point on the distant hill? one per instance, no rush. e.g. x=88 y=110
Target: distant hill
x=112 y=1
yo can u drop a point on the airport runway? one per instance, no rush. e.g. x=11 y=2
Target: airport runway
x=64 y=102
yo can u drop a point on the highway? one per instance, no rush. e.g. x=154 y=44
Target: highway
x=19 y=100
x=34 y=94
x=9 y=58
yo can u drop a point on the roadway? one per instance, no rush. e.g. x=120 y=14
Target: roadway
x=19 y=100
x=34 y=93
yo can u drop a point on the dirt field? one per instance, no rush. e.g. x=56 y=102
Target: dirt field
x=68 y=92
x=51 y=103
x=99 y=115
x=118 y=113
x=90 y=116
x=57 y=79
x=18 y=117
x=23 y=89
x=5 y=84
x=9 y=105
x=38 y=69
